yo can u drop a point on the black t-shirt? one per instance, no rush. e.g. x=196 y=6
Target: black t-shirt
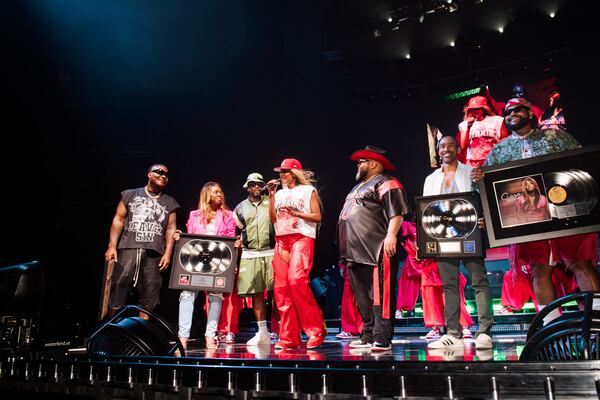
x=146 y=220
x=363 y=222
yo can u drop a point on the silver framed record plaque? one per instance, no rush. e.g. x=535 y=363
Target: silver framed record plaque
x=447 y=226
x=542 y=197
x=203 y=262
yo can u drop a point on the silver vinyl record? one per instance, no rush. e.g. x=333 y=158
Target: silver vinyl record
x=571 y=187
x=205 y=256
x=452 y=218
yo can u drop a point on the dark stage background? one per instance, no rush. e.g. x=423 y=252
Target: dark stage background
x=96 y=91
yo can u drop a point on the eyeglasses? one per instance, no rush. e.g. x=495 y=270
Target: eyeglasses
x=362 y=160
x=160 y=172
x=251 y=184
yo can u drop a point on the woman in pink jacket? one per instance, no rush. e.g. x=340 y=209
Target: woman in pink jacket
x=211 y=218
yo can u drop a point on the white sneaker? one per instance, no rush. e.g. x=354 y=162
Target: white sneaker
x=359 y=344
x=467 y=334
x=446 y=342
x=260 y=339
x=346 y=335
x=483 y=341
x=230 y=338
x=274 y=335
x=456 y=354
x=398 y=314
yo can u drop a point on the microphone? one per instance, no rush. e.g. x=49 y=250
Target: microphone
x=266 y=186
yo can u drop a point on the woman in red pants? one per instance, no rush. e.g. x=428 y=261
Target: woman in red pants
x=295 y=211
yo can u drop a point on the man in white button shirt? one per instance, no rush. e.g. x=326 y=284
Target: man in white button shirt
x=455 y=177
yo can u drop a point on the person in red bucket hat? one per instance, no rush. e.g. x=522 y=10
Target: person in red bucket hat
x=368 y=229
x=479 y=131
x=295 y=211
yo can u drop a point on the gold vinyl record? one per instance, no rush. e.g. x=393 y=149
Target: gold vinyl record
x=570 y=187
x=452 y=218
x=205 y=256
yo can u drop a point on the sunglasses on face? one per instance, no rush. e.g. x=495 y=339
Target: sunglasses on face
x=362 y=160
x=160 y=172
x=251 y=184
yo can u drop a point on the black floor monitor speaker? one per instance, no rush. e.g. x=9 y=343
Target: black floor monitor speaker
x=127 y=334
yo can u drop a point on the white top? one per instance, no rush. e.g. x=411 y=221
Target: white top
x=297 y=199
x=462 y=179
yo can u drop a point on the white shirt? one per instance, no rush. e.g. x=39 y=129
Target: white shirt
x=462 y=178
x=298 y=199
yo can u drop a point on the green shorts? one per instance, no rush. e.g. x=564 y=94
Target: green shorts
x=255 y=275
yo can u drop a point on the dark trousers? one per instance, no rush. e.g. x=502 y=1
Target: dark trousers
x=375 y=328
x=138 y=267
x=449 y=270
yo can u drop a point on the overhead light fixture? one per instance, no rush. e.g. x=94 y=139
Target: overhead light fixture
x=552 y=15
x=407 y=56
x=452 y=6
x=452 y=44
x=421 y=18
x=501 y=29
x=478 y=1
x=390 y=19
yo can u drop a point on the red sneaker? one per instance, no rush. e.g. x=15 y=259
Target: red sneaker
x=315 y=341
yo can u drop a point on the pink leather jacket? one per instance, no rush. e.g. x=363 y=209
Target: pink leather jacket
x=224 y=223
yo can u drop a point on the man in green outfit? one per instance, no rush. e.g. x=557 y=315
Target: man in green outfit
x=256 y=269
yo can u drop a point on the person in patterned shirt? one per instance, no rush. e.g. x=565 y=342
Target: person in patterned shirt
x=578 y=253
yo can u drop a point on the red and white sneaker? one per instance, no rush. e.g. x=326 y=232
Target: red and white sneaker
x=467 y=333
x=434 y=333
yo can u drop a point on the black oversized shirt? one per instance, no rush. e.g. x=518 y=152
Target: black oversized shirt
x=364 y=220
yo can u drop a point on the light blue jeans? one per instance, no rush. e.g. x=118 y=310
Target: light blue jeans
x=186 y=312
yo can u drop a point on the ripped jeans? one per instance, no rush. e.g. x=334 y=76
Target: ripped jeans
x=186 y=312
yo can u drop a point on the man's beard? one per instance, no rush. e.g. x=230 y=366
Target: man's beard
x=360 y=174
x=518 y=124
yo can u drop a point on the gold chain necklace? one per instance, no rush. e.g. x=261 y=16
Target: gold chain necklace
x=156 y=196
x=362 y=184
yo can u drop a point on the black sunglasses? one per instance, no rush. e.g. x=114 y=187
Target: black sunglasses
x=161 y=172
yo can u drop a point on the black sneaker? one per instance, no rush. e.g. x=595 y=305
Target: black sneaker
x=381 y=347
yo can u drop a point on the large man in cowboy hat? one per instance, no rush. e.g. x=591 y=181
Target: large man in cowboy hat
x=479 y=131
x=367 y=237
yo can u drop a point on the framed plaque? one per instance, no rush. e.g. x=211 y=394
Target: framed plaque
x=447 y=226
x=202 y=262
x=542 y=197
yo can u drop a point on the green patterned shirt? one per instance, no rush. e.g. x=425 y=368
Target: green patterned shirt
x=536 y=143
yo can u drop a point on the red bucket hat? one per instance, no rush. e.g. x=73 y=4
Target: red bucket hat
x=373 y=153
x=478 y=102
x=288 y=163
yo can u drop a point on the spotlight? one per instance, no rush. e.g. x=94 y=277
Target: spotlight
x=452 y=44
x=501 y=29
x=452 y=6
x=390 y=19
x=478 y=1
x=552 y=15
x=421 y=18
x=407 y=56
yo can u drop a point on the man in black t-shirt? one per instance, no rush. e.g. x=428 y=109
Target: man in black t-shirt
x=141 y=240
x=367 y=237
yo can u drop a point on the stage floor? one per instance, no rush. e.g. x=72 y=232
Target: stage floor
x=507 y=347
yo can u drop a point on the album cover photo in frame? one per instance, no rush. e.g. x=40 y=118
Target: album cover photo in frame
x=447 y=226
x=543 y=197
x=204 y=262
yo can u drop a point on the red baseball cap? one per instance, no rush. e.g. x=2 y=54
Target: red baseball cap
x=375 y=154
x=516 y=102
x=288 y=163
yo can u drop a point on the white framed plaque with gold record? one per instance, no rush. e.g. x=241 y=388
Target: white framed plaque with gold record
x=447 y=226
x=543 y=197
x=204 y=262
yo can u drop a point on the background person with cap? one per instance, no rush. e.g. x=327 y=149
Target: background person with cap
x=479 y=131
x=295 y=210
x=368 y=228
x=255 y=274
x=578 y=253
